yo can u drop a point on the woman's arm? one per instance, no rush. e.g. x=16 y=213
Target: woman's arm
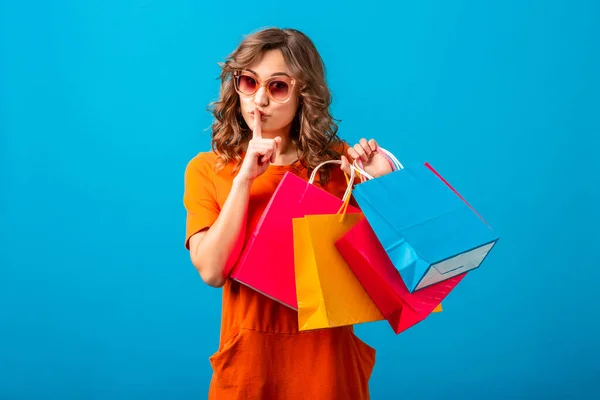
x=214 y=251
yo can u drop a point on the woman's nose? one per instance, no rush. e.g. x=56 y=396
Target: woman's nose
x=260 y=98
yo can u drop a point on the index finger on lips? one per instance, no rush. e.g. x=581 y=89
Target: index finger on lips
x=257 y=128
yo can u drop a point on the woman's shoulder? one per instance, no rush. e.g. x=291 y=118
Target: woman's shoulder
x=204 y=159
x=209 y=165
x=203 y=163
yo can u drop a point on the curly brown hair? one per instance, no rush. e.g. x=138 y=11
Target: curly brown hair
x=313 y=131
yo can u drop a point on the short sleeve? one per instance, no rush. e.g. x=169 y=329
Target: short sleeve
x=199 y=197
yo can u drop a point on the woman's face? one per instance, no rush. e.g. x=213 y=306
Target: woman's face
x=276 y=116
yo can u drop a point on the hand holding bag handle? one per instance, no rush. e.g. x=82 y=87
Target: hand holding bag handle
x=396 y=165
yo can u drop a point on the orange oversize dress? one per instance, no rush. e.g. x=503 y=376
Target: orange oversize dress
x=261 y=354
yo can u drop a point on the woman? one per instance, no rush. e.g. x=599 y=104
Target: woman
x=272 y=117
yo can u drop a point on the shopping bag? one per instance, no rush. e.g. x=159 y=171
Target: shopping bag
x=328 y=292
x=428 y=230
x=267 y=260
x=368 y=260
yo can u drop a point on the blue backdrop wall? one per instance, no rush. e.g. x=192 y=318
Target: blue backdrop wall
x=102 y=104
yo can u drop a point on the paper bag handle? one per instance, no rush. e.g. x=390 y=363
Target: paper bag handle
x=396 y=165
x=350 y=182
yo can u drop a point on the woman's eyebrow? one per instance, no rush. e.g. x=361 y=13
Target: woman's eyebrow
x=273 y=74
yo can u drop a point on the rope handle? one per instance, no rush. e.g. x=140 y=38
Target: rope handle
x=348 y=192
x=394 y=163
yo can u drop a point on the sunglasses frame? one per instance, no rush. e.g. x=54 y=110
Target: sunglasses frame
x=238 y=74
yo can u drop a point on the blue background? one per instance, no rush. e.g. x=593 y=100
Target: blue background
x=102 y=104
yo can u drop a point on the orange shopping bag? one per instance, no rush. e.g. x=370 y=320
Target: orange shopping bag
x=328 y=292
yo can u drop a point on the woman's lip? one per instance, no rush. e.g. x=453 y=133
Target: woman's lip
x=262 y=115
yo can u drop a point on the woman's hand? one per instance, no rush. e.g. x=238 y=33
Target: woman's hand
x=260 y=153
x=373 y=162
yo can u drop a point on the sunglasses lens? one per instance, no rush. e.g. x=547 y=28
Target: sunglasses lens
x=279 y=89
x=247 y=84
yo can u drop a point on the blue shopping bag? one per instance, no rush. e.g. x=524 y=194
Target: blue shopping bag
x=427 y=229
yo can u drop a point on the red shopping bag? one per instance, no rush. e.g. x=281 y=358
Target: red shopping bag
x=267 y=261
x=369 y=261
